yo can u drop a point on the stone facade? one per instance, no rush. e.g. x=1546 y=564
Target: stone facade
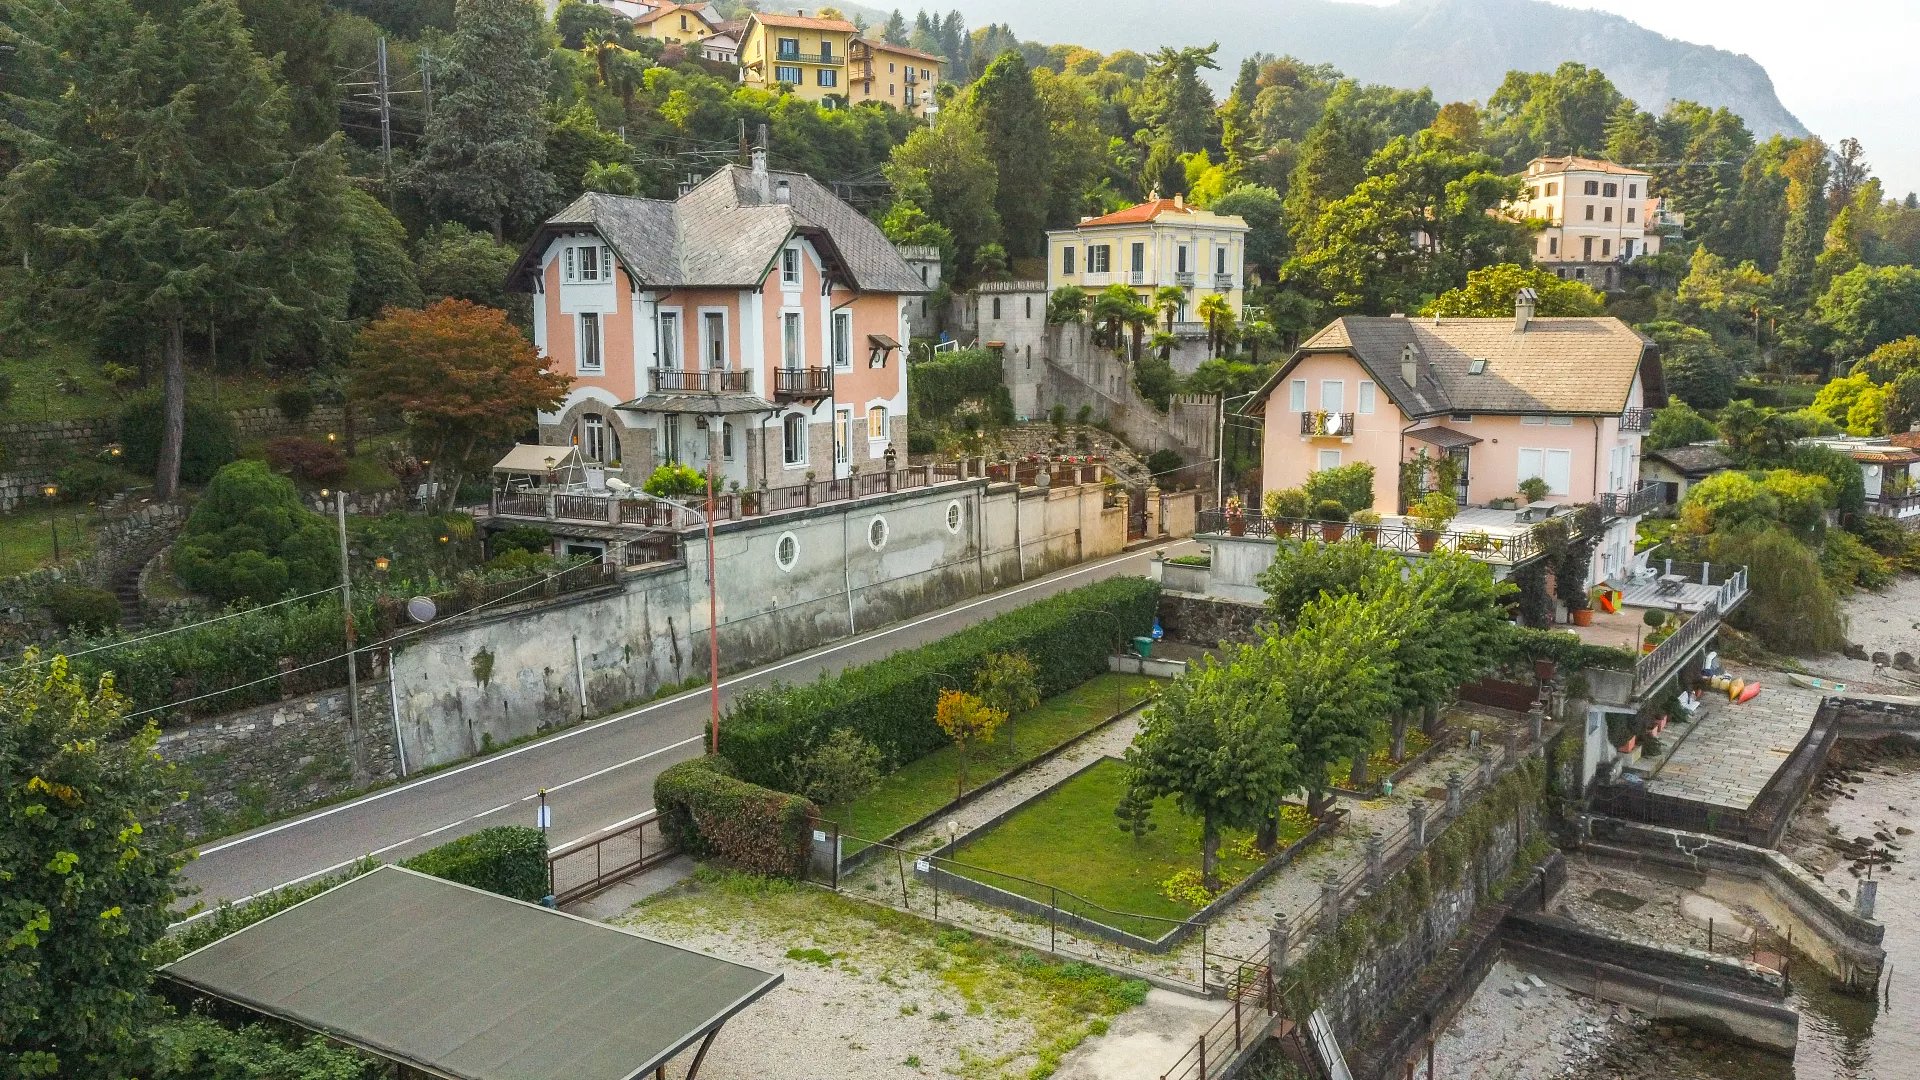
x=125 y=541
x=1199 y=620
x=264 y=762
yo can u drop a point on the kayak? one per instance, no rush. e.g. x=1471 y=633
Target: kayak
x=1811 y=683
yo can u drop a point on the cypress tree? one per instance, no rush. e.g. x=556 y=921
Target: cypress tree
x=1015 y=127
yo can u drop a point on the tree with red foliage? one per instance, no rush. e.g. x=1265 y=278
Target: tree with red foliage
x=462 y=377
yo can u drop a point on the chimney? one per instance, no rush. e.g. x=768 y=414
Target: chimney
x=1410 y=365
x=1179 y=200
x=782 y=192
x=1523 y=305
x=761 y=184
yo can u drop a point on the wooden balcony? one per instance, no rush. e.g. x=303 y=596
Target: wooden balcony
x=670 y=381
x=802 y=384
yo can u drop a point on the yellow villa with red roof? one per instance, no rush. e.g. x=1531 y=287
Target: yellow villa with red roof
x=1156 y=243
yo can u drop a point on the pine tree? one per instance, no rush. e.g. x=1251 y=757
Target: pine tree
x=188 y=206
x=1015 y=129
x=1804 y=235
x=896 y=31
x=1135 y=813
x=484 y=151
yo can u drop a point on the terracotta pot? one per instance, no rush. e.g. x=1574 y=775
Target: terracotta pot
x=1583 y=616
x=1236 y=526
x=1332 y=531
x=1426 y=540
x=1370 y=533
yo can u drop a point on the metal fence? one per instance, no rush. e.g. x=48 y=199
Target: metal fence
x=1404 y=538
x=600 y=862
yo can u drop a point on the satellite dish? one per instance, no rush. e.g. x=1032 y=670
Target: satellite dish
x=618 y=486
x=421 y=610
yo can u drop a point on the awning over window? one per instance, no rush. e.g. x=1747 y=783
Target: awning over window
x=1444 y=438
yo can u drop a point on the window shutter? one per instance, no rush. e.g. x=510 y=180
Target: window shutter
x=606 y=264
x=1531 y=465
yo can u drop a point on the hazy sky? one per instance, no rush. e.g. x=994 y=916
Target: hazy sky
x=1844 y=67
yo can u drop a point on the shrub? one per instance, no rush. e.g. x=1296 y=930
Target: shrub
x=87 y=481
x=1330 y=510
x=946 y=384
x=921 y=441
x=83 y=607
x=531 y=539
x=195 y=1047
x=507 y=859
x=1286 y=503
x=1534 y=489
x=311 y=461
x=1791 y=608
x=1349 y=485
x=208 y=444
x=708 y=813
x=6 y=386
x=841 y=769
x=680 y=482
x=1160 y=462
x=250 y=538
x=891 y=703
x=294 y=402
x=1847 y=562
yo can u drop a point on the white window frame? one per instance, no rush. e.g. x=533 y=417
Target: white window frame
x=589 y=262
x=790 y=266
x=1559 y=421
x=1333 y=395
x=593 y=438
x=596 y=343
x=787 y=424
x=843 y=435
x=1543 y=462
x=667 y=321
x=1067 y=260
x=1327 y=459
x=1297 y=396
x=707 y=342
x=1099 y=258
x=841 y=341
x=881 y=413
x=1533 y=421
x=793 y=342
x=726 y=440
x=1365 y=398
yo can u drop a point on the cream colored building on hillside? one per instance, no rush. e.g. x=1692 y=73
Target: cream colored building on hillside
x=1599 y=216
x=1155 y=243
x=808 y=54
x=676 y=24
x=894 y=74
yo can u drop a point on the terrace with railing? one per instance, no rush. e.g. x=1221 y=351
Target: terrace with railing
x=672 y=381
x=1619 y=504
x=802 y=384
x=1492 y=536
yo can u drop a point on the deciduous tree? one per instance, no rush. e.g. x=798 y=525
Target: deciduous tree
x=1490 y=290
x=462 y=377
x=1010 y=684
x=966 y=720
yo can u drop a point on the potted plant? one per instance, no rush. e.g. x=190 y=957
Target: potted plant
x=1333 y=517
x=1430 y=518
x=1532 y=490
x=1367 y=522
x=1476 y=541
x=1236 y=516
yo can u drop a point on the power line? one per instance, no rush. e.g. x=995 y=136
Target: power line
x=177 y=629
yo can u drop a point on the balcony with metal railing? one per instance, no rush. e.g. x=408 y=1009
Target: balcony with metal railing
x=1636 y=420
x=1330 y=425
x=674 y=381
x=1508 y=544
x=1619 y=504
x=802 y=384
x=796 y=56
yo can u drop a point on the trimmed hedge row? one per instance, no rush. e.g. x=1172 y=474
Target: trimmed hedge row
x=507 y=859
x=890 y=703
x=708 y=813
x=1530 y=644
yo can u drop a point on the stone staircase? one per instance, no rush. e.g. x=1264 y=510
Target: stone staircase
x=126 y=589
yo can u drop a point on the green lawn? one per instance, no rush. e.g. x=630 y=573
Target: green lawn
x=26 y=536
x=918 y=788
x=60 y=381
x=1071 y=839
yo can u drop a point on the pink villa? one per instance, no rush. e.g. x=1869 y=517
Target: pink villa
x=1565 y=400
x=757 y=319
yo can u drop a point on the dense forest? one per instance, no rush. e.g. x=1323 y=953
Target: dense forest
x=240 y=198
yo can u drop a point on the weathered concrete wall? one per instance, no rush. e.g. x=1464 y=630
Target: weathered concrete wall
x=259 y=763
x=1238 y=562
x=854 y=567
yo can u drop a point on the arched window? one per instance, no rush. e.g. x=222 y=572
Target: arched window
x=599 y=442
x=877 y=422
x=794 y=438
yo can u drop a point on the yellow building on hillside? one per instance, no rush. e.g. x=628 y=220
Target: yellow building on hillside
x=675 y=24
x=892 y=74
x=1157 y=243
x=805 y=53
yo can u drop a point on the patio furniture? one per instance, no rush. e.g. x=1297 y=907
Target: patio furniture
x=1669 y=584
x=1538 y=511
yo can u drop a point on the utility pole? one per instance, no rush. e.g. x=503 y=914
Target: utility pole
x=386 y=115
x=353 y=674
x=426 y=81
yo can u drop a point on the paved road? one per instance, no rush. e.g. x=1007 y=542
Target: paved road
x=597 y=775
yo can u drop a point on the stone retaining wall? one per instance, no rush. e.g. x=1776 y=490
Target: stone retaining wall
x=261 y=763
x=124 y=541
x=1198 y=620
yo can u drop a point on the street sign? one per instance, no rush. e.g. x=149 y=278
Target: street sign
x=545 y=817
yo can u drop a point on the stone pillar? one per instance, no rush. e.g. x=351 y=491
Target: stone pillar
x=1153 y=510
x=1375 y=860
x=1537 y=720
x=1486 y=765
x=1510 y=742
x=1330 y=902
x=1863 y=899
x=1417 y=824
x=1454 y=784
x=1279 y=940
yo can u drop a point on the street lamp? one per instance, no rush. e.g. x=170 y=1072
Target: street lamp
x=713 y=607
x=51 y=491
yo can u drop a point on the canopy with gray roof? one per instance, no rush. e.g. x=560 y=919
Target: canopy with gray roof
x=469 y=985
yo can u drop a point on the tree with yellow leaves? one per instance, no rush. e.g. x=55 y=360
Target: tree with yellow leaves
x=966 y=719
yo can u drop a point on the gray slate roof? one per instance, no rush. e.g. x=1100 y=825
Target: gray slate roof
x=1693 y=459
x=1583 y=366
x=725 y=234
x=464 y=983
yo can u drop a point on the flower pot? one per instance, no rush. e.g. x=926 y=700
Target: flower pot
x=1583 y=616
x=1236 y=526
x=1426 y=539
x=1370 y=533
x=1332 y=531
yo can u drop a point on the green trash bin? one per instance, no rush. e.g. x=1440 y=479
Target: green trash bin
x=1143 y=646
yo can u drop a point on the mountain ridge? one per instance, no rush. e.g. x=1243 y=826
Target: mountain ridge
x=1460 y=48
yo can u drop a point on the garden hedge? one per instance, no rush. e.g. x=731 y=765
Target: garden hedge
x=708 y=813
x=890 y=703
x=507 y=859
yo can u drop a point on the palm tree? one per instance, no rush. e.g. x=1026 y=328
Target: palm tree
x=1217 y=313
x=1138 y=319
x=1068 y=304
x=1255 y=334
x=1113 y=308
x=1169 y=299
x=1162 y=342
